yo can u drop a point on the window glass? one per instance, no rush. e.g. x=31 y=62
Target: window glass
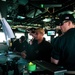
x=18 y=35
x=2 y=37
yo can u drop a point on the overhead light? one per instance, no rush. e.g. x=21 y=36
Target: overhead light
x=32 y=16
x=3 y=0
x=20 y=17
x=42 y=5
x=66 y=12
x=7 y=15
x=47 y=19
x=50 y=5
x=9 y=20
x=22 y=30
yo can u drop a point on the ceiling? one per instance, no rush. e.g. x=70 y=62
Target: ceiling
x=31 y=13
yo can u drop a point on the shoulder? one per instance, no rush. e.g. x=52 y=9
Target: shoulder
x=68 y=35
x=70 y=31
x=46 y=43
x=16 y=41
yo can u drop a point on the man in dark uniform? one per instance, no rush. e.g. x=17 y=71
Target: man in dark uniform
x=64 y=52
x=31 y=53
x=20 y=46
x=44 y=48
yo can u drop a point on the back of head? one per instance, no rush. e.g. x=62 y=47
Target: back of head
x=22 y=38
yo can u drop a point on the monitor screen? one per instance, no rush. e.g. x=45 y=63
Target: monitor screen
x=51 y=32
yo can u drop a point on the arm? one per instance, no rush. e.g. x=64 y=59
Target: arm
x=56 y=52
x=23 y=54
x=55 y=61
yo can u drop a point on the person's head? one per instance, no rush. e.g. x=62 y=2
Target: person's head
x=22 y=39
x=66 y=22
x=39 y=33
x=32 y=32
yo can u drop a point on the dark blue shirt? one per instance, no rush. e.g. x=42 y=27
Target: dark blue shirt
x=44 y=51
x=19 y=47
x=64 y=50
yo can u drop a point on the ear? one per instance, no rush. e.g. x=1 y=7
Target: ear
x=69 y=23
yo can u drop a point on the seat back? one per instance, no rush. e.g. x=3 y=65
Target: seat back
x=3 y=47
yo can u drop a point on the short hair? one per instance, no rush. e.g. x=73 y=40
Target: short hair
x=22 y=38
x=41 y=30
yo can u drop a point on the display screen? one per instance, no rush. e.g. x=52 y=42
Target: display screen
x=51 y=32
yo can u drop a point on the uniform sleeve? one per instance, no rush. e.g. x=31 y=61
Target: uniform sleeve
x=56 y=51
x=48 y=48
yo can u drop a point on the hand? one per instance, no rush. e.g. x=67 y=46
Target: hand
x=30 y=42
x=23 y=54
